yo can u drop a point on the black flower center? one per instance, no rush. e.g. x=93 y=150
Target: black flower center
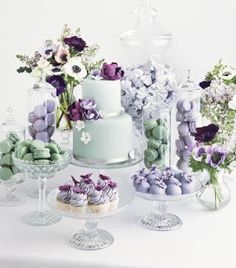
x=63 y=57
x=48 y=51
x=76 y=69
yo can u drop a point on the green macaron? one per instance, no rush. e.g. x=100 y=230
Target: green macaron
x=14 y=138
x=42 y=162
x=7 y=159
x=160 y=163
x=28 y=157
x=43 y=153
x=147 y=163
x=161 y=151
x=21 y=150
x=159 y=133
x=53 y=148
x=149 y=124
x=56 y=157
x=5 y=173
x=36 y=144
x=150 y=154
x=154 y=143
x=148 y=133
x=5 y=146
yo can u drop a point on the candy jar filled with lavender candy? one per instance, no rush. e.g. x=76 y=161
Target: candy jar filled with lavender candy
x=42 y=108
x=147 y=77
x=185 y=119
x=156 y=131
x=11 y=132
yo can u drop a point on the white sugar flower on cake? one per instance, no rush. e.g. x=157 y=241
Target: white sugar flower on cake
x=85 y=138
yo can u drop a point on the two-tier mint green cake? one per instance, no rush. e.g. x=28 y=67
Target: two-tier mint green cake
x=109 y=139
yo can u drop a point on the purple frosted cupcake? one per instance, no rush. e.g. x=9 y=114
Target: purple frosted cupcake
x=99 y=201
x=63 y=197
x=103 y=180
x=87 y=184
x=78 y=201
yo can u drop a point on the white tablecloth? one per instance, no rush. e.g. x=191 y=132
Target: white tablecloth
x=207 y=239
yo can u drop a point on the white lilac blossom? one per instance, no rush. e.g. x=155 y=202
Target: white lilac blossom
x=149 y=82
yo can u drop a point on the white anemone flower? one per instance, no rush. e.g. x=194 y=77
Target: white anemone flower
x=227 y=73
x=75 y=68
x=85 y=138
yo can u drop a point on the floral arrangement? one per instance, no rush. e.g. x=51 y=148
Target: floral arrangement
x=219 y=100
x=81 y=111
x=142 y=84
x=213 y=159
x=63 y=64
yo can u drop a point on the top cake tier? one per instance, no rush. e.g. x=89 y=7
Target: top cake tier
x=106 y=93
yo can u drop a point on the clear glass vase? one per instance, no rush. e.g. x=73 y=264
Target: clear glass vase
x=216 y=193
x=42 y=112
x=156 y=132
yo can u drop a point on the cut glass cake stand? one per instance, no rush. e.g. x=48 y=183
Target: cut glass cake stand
x=41 y=217
x=159 y=219
x=92 y=238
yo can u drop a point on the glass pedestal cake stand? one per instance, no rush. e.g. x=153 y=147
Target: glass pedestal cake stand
x=92 y=238
x=41 y=217
x=159 y=219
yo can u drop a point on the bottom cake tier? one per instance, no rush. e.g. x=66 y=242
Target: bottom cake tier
x=106 y=140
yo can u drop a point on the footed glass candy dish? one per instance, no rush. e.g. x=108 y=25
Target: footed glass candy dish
x=41 y=171
x=92 y=238
x=159 y=219
x=161 y=187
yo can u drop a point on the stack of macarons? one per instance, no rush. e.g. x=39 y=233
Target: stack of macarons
x=42 y=121
x=7 y=148
x=156 y=132
x=186 y=115
x=87 y=196
x=162 y=182
x=39 y=152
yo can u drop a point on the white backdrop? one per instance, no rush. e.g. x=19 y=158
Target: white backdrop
x=203 y=31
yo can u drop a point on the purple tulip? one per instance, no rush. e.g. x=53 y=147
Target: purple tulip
x=204 y=84
x=206 y=133
x=58 y=82
x=216 y=156
x=111 y=71
x=75 y=42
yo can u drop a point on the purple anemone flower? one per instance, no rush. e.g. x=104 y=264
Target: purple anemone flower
x=206 y=133
x=58 y=82
x=75 y=42
x=204 y=84
x=111 y=71
x=216 y=156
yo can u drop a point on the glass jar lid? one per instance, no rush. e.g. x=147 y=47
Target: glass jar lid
x=11 y=124
x=146 y=39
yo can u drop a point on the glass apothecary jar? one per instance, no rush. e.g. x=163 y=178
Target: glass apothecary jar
x=186 y=118
x=42 y=112
x=156 y=131
x=11 y=132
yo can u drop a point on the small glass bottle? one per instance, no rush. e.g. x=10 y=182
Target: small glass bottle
x=185 y=119
x=156 y=129
x=42 y=112
x=10 y=134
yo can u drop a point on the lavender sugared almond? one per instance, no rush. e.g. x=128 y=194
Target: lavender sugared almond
x=86 y=195
x=162 y=182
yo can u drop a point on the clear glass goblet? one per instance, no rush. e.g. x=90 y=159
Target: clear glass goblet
x=42 y=216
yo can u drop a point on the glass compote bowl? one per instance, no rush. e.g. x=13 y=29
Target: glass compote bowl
x=159 y=219
x=41 y=217
x=92 y=238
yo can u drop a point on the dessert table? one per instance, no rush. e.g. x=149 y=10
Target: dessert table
x=205 y=239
